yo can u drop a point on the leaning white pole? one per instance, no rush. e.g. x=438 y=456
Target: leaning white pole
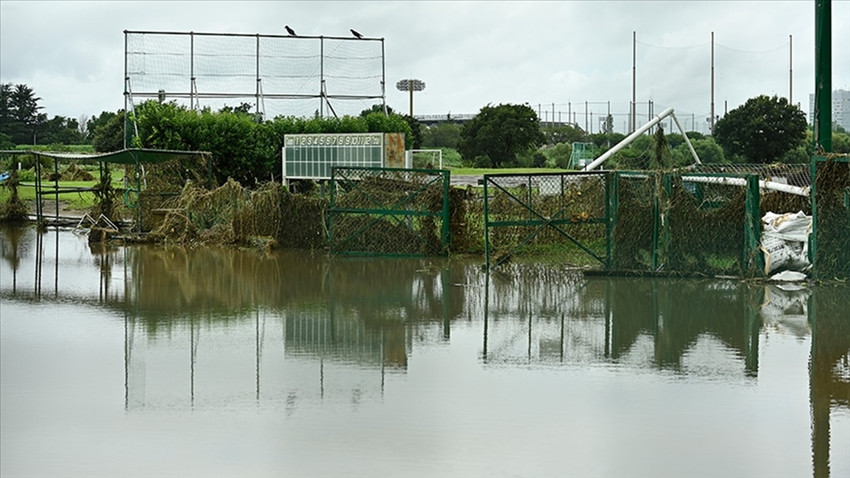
x=785 y=188
x=628 y=139
x=687 y=141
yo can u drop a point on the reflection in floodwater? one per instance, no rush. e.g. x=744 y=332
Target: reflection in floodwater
x=210 y=328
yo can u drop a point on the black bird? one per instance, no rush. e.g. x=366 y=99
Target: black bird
x=290 y=31
x=356 y=33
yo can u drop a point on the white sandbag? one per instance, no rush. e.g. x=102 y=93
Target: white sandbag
x=785 y=242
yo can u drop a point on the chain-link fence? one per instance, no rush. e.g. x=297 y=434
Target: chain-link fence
x=555 y=217
x=386 y=211
x=831 y=203
x=686 y=224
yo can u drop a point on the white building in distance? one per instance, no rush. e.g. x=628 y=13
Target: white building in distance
x=840 y=108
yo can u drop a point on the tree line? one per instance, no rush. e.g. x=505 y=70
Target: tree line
x=763 y=130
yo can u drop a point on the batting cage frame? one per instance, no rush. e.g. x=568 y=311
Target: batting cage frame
x=389 y=212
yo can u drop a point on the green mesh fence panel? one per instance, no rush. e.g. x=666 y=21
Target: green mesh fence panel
x=831 y=204
x=389 y=212
x=697 y=224
x=555 y=217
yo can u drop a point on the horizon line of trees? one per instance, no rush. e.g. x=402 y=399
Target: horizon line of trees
x=764 y=129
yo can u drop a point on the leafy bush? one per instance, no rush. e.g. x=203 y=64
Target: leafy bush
x=243 y=149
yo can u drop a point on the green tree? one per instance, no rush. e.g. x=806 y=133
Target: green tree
x=563 y=134
x=414 y=137
x=107 y=131
x=762 y=130
x=559 y=155
x=707 y=150
x=441 y=135
x=20 y=116
x=499 y=133
x=61 y=130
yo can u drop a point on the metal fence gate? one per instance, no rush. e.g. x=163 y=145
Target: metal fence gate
x=556 y=217
x=389 y=212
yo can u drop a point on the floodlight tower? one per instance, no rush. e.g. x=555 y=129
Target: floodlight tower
x=410 y=85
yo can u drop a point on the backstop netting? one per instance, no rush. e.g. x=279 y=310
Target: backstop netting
x=277 y=75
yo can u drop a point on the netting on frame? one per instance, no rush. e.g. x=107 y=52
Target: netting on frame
x=686 y=224
x=557 y=218
x=831 y=200
x=389 y=212
x=278 y=75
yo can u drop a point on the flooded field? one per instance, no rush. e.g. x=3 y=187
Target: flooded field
x=173 y=361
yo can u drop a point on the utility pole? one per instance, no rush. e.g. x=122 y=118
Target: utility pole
x=791 y=70
x=632 y=122
x=711 y=121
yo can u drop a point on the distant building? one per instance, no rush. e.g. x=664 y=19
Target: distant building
x=840 y=108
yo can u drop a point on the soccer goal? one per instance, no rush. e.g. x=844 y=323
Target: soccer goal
x=424 y=159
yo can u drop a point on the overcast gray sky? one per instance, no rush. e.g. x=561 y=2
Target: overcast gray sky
x=469 y=54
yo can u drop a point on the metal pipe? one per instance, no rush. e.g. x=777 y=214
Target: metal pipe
x=687 y=141
x=772 y=185
x=626 y=141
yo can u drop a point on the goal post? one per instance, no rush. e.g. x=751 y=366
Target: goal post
x=421 y=158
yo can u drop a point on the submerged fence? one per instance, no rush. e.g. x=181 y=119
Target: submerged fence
x=562 y=217
x=685 y=224
x=830 y=244
x=389 y=212
x=645 y=223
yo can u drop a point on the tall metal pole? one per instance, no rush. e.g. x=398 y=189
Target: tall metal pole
x=632 y=123
x=823 y=76
x=126 y=92
x=791 y=70
x=586 y=125
x=410 y=89
x=257 y=88
x=383 y=78
x=192 y=71
x=711 y=121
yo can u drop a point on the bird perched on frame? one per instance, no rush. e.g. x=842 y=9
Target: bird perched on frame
x=290 y=31
x=356 y=33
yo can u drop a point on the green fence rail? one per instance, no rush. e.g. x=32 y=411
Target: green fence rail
x=389 y=212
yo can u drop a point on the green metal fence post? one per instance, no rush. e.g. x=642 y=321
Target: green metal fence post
x=486 y=226
x=331 y=211
x=446 y=230
x=752 y=259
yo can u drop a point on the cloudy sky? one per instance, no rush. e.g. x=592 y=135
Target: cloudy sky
x=571 y=57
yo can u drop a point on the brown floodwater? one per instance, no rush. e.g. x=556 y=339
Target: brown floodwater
x=173 y=361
